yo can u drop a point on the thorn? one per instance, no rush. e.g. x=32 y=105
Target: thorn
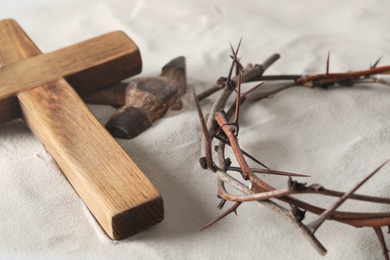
x=208 y=158
x=227 y=212
x=238 y=46
x=252 y=89
x=327 y=63
x=315 y=224
x=221 y=204
x=236 y=60
x=376 y=63
x=234 y=57
x=379 y=234
x=223 y=139
x=232 y=49
x=266 y=171
x=238 y=98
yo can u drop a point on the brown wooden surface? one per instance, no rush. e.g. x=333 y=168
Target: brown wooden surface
x=109 y=183
x=11 y=109
x=87 y=65
x=117 y=193
x=15 y=45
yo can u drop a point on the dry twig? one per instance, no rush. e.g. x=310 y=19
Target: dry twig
x=217 y=127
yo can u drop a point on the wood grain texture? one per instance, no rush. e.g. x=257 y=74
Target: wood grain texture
x=114 y=189
x=89 y=65
x=109 y=183
x=12 y=38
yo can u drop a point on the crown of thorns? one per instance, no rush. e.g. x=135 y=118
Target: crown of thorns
x=222 y=126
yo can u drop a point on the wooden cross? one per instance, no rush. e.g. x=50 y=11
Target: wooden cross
x=35 y=86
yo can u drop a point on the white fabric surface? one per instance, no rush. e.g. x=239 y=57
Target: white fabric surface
x=337 y=136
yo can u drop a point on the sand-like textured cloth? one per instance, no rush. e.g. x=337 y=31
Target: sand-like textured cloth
x=337 y=135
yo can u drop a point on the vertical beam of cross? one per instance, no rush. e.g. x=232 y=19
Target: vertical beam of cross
x=32 y=84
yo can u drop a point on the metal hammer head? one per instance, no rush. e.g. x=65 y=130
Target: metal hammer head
x=147 y=99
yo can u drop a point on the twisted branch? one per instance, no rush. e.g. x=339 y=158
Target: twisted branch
x=218 y=127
